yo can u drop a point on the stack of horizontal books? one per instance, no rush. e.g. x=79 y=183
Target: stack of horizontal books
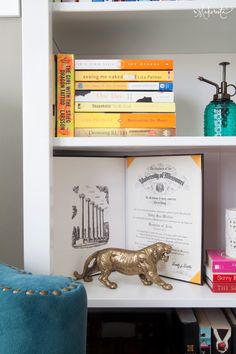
x=115 y=97
x=220 y=272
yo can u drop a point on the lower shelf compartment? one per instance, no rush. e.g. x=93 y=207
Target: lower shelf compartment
x=129 y=332
x=131 y=293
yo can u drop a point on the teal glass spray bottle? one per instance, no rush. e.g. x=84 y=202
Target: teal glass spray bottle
x=220 y=113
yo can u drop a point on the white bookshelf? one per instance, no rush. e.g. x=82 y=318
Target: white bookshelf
x=131 y=144
x=135 y=29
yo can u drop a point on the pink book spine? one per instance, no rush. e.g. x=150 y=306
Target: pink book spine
x=224 y=266
x=219 y=263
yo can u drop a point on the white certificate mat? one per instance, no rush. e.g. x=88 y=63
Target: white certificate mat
x=164 y=203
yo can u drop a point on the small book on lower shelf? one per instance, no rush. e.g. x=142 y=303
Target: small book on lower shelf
x=204 y=332
x=131 y=202
x=185 y=331
x=231 y=317
x=221 y=331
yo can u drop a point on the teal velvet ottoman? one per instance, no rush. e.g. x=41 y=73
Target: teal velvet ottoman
x=41 y=314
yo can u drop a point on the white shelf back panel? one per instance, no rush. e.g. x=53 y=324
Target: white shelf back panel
x=9 y=8
x=134 y=32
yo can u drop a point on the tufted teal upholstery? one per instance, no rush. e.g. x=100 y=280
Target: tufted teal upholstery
x=41 y=314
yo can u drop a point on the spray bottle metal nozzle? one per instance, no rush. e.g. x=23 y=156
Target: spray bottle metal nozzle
x=210 y=82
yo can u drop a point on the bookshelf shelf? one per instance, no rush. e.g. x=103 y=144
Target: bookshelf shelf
x=130 y=293
x=142 y=6
x=143 y=144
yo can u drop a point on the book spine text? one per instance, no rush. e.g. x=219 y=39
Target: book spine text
x=125 y=120
x=122 y=86
x=96 y=132
x=123 y=96
x=65 y=95
x=124 y=107
x=123 y=75
x=123 y=64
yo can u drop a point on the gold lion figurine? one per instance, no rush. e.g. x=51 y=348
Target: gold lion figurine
x=142 y=263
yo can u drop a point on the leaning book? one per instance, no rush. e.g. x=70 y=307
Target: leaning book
x=130 y=202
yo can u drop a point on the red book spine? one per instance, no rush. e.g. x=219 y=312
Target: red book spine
x=224 y=278
x=223 y=287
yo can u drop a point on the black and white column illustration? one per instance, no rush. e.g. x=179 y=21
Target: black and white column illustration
x=91 y=227
x=82 y=196
x=93 y=221
x=97 y=230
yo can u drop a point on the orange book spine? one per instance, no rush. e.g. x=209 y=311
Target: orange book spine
x=146 y=64
x=125 y=120
x=65 y=95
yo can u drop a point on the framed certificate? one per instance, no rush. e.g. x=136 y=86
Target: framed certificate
x=164 y=198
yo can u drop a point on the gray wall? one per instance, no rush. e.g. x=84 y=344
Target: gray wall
x=11 y=206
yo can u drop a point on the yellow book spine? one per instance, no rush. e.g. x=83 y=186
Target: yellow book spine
x=124 y=75
x=65 y=95
x=125 y=107
x=125 y=120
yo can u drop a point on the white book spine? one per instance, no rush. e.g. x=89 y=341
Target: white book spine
x=97 y=64
x=124 y=96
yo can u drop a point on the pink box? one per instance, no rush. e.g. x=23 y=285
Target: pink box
x=219 y=262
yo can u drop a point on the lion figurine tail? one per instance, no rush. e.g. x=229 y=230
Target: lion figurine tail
x=86 y=269
x=78 y=276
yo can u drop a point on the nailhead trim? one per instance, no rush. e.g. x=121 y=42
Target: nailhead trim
x=30 y=292
x=56 y=292
x=73 y=285
x=66 y=289
x=43 y=292
x=6 y=289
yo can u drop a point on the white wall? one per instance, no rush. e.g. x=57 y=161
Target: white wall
x=11 y=211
